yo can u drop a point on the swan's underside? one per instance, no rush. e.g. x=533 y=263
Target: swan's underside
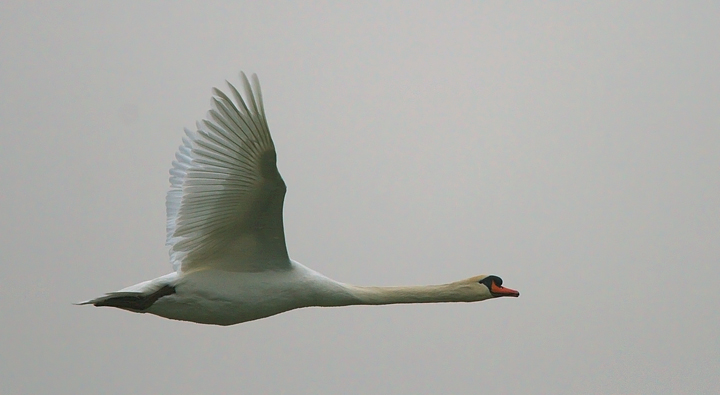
x=226 y=298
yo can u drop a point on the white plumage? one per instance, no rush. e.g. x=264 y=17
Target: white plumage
x=226 y=238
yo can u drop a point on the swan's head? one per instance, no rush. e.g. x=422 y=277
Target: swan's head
x=492 y=286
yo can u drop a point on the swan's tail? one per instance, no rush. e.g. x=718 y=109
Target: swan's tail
x=138 y=297
x=134 y=301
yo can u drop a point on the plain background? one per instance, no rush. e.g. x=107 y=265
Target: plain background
x=570 y=148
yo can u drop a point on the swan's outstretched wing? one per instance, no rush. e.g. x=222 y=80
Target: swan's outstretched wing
x=224 y=207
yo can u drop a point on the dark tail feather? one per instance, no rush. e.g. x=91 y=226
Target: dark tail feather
x=133 y=301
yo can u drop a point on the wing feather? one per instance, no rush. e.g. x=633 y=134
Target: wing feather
x=224 y=207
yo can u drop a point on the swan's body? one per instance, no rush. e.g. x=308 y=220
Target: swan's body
x=226 y=238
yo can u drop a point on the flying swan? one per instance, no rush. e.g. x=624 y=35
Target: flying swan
x=226 y=238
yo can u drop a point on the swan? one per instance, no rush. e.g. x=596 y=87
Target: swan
x=226 y=238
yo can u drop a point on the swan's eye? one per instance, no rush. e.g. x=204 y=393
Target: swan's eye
x=489 y=280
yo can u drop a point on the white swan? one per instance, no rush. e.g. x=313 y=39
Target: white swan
x=225 y=232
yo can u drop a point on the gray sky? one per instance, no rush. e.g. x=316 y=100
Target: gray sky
x=572 y=149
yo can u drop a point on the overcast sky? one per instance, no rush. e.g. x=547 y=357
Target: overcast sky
x=572 y=149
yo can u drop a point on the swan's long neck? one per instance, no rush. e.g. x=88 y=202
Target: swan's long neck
x=411 y=294
x=345 y=294
x=326 y=292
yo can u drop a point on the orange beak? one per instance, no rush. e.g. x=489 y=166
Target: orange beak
x=498 y=291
